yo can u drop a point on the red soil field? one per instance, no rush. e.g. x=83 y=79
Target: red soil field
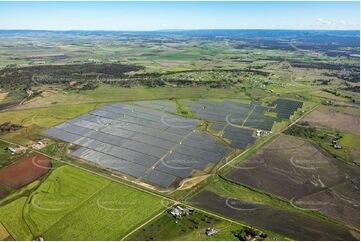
x=25 y=171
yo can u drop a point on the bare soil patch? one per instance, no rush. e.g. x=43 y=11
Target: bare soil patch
x=296 y=170
x=339 y=202
x=25 y=171
x=191 y=182
x=320 y=118
x=293 y=225
x=3 y=95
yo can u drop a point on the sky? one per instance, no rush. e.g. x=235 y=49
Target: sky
x=179 y=15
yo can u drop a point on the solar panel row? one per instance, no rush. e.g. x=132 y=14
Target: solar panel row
x=161 y=105
x=240 y=137
x=219 y=111
x=285 y=108
x=218 y=126
x=258 y=120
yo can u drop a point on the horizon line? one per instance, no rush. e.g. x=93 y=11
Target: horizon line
x=157 y=30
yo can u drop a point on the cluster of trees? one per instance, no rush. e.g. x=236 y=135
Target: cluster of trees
x=90 y=75
x=211 y=78
x=13 y=76
x=250 y=234
x=303 y=130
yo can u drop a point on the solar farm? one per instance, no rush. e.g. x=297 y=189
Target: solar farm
x=149 y=143
x=234 y=120
x=151 y=146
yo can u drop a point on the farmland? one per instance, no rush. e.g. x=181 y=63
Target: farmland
x=24 y=171
x=238 y=126
x=70 y=195
x=294 y=169
x=328 y=118
x=302 y=228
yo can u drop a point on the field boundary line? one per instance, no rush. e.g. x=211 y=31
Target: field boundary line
x=250 y=113
x=93 y=172
x=170 y=151
x=76 y=207
x=145 y=223
x=269 y=137
x=17 y=108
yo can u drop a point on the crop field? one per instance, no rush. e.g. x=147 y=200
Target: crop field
x=4 y=235
x=24 y=171
x=107 y=93
x=292 y=168
x=324 y=118
x=81 y=205
x=269 y=218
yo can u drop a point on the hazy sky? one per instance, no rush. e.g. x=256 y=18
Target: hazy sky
x=178 y=15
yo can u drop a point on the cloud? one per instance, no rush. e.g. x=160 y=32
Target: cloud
x=324 y=21
x=336 y=24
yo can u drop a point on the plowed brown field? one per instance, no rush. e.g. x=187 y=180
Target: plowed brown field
x=25 y=171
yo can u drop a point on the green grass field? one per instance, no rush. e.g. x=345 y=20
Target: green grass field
x=37 y=119
x=11 y=216
x=81 y=205
x=106 y=93
x=4 y=235
x=350 y=140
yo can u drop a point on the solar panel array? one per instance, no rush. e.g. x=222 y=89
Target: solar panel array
x=161 y=148
x=218 y=126
x=285 y=108
x=234 y=112
x=161 y=105
x=240 y=137
x=258 y=120
x=235 y=115
x=149 y=145
x=220 y=111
